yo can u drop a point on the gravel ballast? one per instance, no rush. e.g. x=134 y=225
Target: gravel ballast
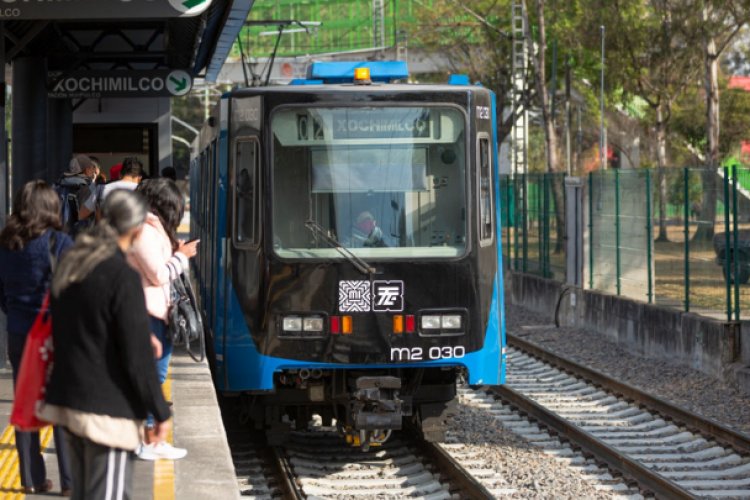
x=678 y=384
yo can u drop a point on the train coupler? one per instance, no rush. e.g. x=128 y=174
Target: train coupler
x=375 y=410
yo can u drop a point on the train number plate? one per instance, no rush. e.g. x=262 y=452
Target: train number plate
x=424 y=354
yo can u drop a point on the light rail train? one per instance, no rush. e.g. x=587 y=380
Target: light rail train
x=349 y=257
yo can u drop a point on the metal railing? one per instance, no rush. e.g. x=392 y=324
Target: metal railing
x=677 y=237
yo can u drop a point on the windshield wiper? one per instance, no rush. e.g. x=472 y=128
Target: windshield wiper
x=318 y=230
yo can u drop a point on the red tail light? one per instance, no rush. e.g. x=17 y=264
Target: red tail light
x=335 y=325
x=410 y=323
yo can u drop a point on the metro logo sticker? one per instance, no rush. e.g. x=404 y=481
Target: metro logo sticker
x=354 y=296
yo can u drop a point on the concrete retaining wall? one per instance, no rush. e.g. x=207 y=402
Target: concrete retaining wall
x=705 y=344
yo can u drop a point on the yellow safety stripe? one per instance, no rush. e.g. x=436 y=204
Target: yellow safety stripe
x=10 y=475
x=164 y=469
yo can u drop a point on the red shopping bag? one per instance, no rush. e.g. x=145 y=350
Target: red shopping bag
x=36 y=365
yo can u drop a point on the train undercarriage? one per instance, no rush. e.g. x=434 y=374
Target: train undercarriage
x=365 y=406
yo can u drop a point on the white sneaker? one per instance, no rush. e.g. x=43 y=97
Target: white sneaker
x=167 y=451
x=162 y=450
x=146 y=452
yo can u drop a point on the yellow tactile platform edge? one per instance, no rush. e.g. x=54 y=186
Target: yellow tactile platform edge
x=10 y=478
x=164 y=469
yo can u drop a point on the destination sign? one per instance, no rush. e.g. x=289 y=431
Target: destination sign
x=95 y=84
x=367 y=125
x=391 y=123
x=15 y=10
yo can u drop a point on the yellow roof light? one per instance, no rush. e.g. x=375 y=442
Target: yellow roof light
x=362 y=76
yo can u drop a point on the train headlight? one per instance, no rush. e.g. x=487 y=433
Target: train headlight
x=431 y=322
x=312 y=324
x=292 y=324
x=447 y=322
x=451 y=322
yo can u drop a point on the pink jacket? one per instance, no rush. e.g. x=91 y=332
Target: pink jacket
x=151 y=255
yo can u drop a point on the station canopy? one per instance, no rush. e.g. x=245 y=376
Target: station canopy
x=103 y=35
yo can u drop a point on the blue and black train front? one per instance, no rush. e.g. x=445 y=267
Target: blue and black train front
x=364 y=277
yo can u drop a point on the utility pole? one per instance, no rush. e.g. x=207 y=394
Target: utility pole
x=520 y=133
x=568 y=119
x=378 y=23
x=602 y=130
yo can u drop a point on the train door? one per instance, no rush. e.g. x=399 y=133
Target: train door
x=212 y=229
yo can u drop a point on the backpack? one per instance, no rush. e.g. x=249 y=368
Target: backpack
x=67 y=190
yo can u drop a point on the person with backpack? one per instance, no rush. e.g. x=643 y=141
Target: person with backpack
x=30 y=244
x=78 y=195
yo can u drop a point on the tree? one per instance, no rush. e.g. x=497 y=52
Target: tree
x=472 y=37
x=654 y=63
x=716 y=24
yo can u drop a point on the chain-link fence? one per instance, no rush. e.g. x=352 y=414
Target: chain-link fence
x=673 y=237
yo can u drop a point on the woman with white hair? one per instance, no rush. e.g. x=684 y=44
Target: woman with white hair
x=104 y=380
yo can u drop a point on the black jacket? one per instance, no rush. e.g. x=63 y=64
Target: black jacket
x=104 y=363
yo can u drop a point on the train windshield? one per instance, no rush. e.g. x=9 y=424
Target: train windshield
x=385 y=182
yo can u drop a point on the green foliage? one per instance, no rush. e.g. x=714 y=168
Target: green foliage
x=676 y=187
x=690 y=123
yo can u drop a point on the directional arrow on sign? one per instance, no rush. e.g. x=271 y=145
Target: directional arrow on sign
x=193 y=3
x=179 y=84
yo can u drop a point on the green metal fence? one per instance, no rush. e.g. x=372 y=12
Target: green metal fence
x=673 y=237
x=532 y=235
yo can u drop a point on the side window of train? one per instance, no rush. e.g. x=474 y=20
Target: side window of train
x=484 y=190
x=246 y=193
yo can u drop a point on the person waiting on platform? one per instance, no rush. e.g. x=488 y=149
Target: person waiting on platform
x=169 y=173
x=366 y=232
x=103 y=381
x=30 y=244
x=78 y=190
x=131 y=175
x=159 y=257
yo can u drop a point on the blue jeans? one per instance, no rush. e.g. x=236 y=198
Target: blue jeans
x=159 y=328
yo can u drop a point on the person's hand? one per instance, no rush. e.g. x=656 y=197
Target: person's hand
x=161 y=429
x=189 y=248
x=156 y=346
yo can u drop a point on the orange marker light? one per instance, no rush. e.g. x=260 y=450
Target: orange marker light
x=362 y=75
x=398 y=324
x=346 y=325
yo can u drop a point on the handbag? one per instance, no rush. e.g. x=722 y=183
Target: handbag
x=185 y=324
x=34 y=372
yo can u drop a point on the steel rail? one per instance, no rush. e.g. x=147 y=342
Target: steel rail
x=738 y=441
x=647 y=479
x=470 y=487
x=289 y=487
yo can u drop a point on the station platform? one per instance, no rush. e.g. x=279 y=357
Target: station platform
x=206 y=473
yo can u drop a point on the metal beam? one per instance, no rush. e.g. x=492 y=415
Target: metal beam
x=26 y=39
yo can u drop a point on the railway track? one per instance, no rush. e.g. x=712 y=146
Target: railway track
x=664 y=449
x=319 y=464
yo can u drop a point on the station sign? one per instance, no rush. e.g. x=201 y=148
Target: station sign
x=18 y=10
x=96 y=84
